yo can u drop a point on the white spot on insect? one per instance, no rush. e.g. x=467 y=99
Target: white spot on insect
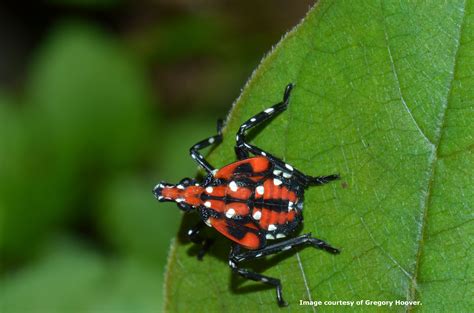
x=290 y=206
x=276 y=172
x=243 y=126
x=180 y=187
x=211 y=140
x=288 y=166
x=276 y=182
x=190 y=232
x=260 y=190
x=264 y=280
x=179 y=200
x=231 y=264
x=280 y=235
x=263 y=153
x=201 y=156
x=237 y=137
x=193 y=156
x=259 y=255
x=269 y=236
x=214 y=172
x=208 y=222
x=286 y=175
x=269 y=110
x=161 y=186
x=233 y=186
x=230 y=212
x=286 y=248
x=209 y=189
x=253 y=119
x=207 y=204
x=196 y=184
x=160 y=197
x=257 y=215
x=271 y=227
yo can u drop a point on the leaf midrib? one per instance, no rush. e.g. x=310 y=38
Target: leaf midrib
x=434 y=146
x=426 y=200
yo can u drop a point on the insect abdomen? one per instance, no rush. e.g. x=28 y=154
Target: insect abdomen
x=275 y=206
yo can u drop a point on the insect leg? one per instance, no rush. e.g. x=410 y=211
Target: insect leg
x=291 y=243
x=194 y=236
x=241 y=148
x=320 y=180
x=302 y=178
x=257 y=277
x=236 y=257
x=198 y=157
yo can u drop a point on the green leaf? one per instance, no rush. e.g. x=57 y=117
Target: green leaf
x=132 y=225
x=91 y=96
x=384 y=96
x=87 y=114
x=126 y=218
x=72 y=278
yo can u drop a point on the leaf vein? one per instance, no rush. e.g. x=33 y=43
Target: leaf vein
x=300 y=265
x=395 y=75
x=433 y=158
x=388 y=255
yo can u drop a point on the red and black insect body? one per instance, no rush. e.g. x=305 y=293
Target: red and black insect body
x=252 y=201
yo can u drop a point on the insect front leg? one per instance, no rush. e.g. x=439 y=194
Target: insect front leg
x=194 y=235
x=197 y=156
x=241 y=148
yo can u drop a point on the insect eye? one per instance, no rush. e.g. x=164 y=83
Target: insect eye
x=184 y=206
x=185 y=181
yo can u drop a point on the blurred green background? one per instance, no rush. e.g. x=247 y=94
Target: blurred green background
x=100 y=100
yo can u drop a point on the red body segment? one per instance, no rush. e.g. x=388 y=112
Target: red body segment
x=246 y=235
x=254 y=168
x=190 y=194
x=246 y=201
x=268 y=201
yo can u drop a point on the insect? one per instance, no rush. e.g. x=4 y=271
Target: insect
x=252 y=201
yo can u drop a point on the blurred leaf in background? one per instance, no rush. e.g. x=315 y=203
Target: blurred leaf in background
x=70 y=277
x=77 y=134
x=89 y=118
x=84 y=138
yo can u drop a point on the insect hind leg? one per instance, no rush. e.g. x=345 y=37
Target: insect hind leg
x=236 y=257
x=321 y=180
x=241 y=144
x=285 y=245
x=194 y=150
x=245 y=273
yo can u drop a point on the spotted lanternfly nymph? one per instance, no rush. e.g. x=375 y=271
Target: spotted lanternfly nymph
x=251 y=201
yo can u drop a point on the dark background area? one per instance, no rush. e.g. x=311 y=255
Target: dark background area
x=99 y=101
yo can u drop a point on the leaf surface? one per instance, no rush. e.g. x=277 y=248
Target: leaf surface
x=384 y=96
